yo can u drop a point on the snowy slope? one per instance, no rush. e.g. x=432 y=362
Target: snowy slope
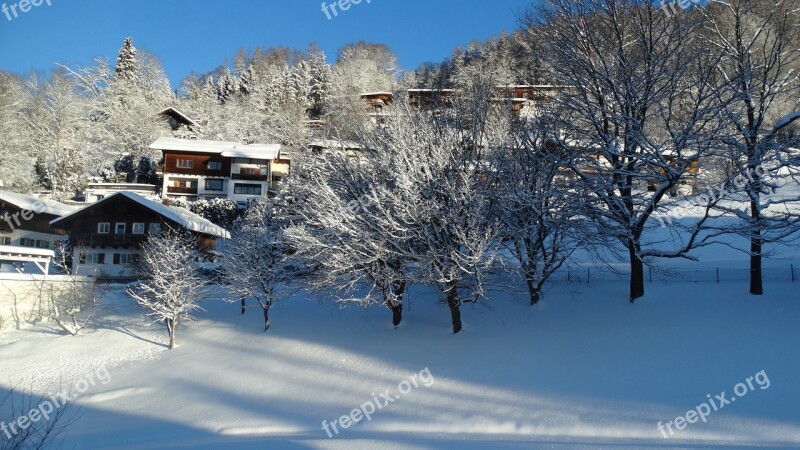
x=583 y=368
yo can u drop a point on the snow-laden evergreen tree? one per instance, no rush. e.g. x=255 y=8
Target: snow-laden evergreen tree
x=227 y=87
x=171 y=287
x=302 y=82
x=127 y=68
x=321 y=74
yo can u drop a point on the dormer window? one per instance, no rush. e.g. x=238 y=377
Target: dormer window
x=185 y=164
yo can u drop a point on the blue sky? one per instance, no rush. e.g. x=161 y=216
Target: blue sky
x=197 y=35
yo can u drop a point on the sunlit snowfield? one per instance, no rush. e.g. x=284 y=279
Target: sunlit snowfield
x=584 y=368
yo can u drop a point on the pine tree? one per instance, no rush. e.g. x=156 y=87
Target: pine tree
x=127 y=65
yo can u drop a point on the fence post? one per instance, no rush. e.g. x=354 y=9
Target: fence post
x=792 y=266
x=569 y=275
x=650 y=273
x=589 y=274
x=717 y=274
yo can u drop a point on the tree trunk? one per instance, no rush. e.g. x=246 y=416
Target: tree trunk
x=637 y=272
x=243 y=305
x=534 y=291
x=455 y=308
x=266 y=316
x=171 y=330
x=756 y=282
x=395 y=302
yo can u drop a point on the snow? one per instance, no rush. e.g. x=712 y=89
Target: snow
x=181 y=216
x=583 y=369
x=263 y=151
x=36 y=204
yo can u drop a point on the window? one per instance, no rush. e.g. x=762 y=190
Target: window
x=93 y=258
x=42 y=244
x=155 y=228
x=185 y=164
x=5 y=240
x=26 y=242
x=119 y=228
x=123 y=258
x=138 y=228
x=247 y=189
x=249 y=171
x=214 y=165
x=184 y=183
x=103 y=228
x=213 y=185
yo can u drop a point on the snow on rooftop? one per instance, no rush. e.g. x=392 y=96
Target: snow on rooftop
x=253 y=151
x=261 y=151
x=14 y=250
x=36 y=205
x=334 y=143
x=176 y=111
x=181 y=216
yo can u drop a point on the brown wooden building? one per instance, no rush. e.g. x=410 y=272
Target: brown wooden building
x=107 y=236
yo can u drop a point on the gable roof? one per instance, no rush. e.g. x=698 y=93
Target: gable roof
x=181 y=216
x=36 y=205
x=224 y=148
x=175 y=111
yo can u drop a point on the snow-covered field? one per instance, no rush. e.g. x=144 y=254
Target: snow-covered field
x=584 y=369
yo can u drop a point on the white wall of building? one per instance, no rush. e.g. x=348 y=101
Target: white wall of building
x=107 y=268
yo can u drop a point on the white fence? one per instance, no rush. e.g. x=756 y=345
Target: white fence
x=27 y=299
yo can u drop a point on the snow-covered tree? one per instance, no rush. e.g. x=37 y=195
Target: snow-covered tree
x=126 y=68
x=55 y=120
x=74 y=304
x=354 y=231
x=256 y=262
x=758 y=87
x=16 y=155
x=171 y=287
x=537 y=204
x=639 y=114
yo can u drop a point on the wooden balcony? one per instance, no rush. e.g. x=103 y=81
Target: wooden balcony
x=181 y=190
x=109 y=240
x=248 y=177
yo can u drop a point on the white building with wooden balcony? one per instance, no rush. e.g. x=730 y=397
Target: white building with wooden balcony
x=199 y=169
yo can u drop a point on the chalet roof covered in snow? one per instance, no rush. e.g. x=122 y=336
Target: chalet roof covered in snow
x=171 y=111
x=37 y=205
x=181 y=216
x=224 y=148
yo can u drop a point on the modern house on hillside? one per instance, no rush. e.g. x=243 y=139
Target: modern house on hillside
x=107 y=236
x=200 y=169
